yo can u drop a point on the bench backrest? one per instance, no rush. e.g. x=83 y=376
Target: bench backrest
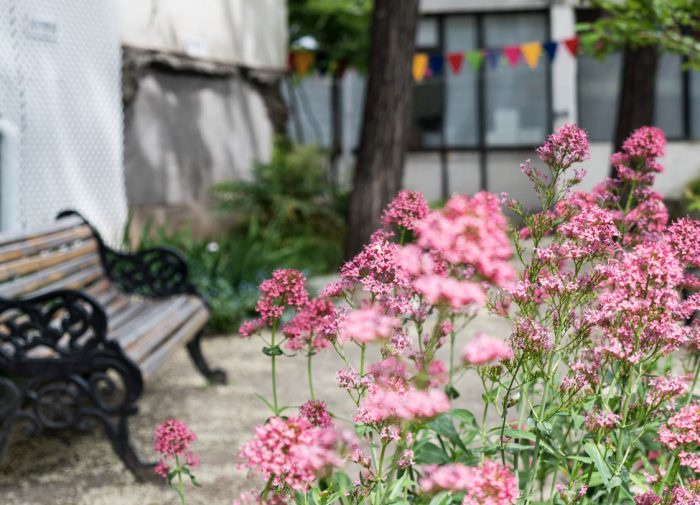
x=64 y=255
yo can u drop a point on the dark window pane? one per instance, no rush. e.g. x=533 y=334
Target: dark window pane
x=516 y=98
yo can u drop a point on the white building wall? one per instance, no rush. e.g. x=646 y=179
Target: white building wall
x=248 y=33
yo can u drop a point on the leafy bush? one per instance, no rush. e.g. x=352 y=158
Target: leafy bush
x=691 y=195
x=289 y=203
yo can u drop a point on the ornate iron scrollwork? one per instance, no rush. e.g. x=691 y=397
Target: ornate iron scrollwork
x=151 y=273
x=57 y=324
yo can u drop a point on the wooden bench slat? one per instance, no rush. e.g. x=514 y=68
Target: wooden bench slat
x=152 y=333
x=17 y=250
x=153 y=314
x=78 y=280
x=186 y=332
x=31 y=264
x=124 y=320
x=25 y=235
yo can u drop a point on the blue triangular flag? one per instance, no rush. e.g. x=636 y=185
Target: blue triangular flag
x=435 y=63
x=551 y=47
x=493 y=56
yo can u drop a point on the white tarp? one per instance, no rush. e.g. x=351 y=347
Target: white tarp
x=249 y=33
x=60 y=84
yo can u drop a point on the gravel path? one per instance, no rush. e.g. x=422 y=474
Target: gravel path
x=70 y=469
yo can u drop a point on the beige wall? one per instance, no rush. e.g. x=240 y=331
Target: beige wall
x=248 y=33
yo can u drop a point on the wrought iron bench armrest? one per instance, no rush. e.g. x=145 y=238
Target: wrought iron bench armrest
x=152 y=273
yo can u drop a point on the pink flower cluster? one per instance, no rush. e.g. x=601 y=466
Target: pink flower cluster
x=663 y=389
x=688 y=495
x=489 y=484
x=566 y=146
x=405 y=210
x=483 y=349
x=606 y=421
x=646 y=142
x=682 y=431
x=172 y=439
x=286 y=288
x=470 y=231
x=367 y=324
x=313 y=326
x=316 y=412
x=684 y=237
x=293 y=452
x=382 y=405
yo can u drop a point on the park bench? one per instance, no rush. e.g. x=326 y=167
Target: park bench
x=82 y=326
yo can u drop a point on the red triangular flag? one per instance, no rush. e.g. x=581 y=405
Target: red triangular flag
x=513 y=54
x=455 y=60
x=572 y=45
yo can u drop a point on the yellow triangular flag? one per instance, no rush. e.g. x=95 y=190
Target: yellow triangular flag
x=420 y=65
x=303 y=61
x=531 y=52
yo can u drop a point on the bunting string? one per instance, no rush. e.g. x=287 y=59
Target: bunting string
x=430 y=64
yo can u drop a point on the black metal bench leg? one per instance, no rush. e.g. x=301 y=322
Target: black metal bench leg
x=10 y=402
x=118 y=434
x=216 y=375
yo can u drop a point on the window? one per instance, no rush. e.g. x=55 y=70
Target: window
x=694 y=93
x=517 y=101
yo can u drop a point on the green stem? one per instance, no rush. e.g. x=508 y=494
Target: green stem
x=309 y=374
x=694 y=384
x=180 y=483
x=274 y=371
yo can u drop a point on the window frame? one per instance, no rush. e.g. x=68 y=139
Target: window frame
x=480 y=95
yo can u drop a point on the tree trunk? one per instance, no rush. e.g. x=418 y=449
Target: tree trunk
x=637 y=97
x=383 y=141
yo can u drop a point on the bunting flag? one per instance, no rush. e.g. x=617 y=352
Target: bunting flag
x=475 y=59
x=420 y=65
x=531 y=52
x=427 y=64
x=493 y=56
x=512 y=54
x=455 y=60
x=435 y=63
x=551 y=48
x=572 y=45
x=303 y=61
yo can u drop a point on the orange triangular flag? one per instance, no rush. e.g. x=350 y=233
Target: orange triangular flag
x=303 y=62
x=531 y=52
x=572 y=45
x=420 y=65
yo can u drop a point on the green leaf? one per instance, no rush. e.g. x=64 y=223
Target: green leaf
x=443 y=425
x=465 y=416
x=273 y=351
x=516 y=434
x=594 y=452
x=430 y=454
x=442 y=498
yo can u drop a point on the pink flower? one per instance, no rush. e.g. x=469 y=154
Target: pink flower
x=645 y=142
x=596 y=420
x=292 y=452
x=316 y=413
x=367 y=325
x=437 y=289
x=683 y=429
x=173 y=437
x=376 y=268
x=250 y=328
x=470 y=232
x=407 y=208
x=662 y=389
x=172 y=440
x=531 y=336
x=483 y=349
x=312 y=326
x=387 y=405
x=684 y=237
x=566 y=146
x=489 y=484
x=284 y=289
